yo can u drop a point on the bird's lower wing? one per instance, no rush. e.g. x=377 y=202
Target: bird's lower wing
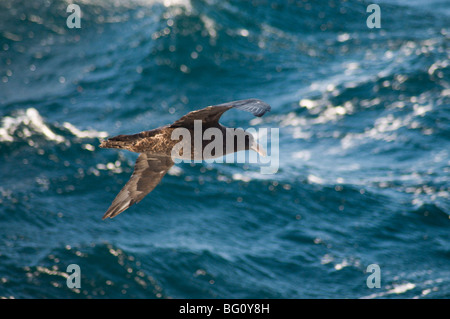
x=148 y=172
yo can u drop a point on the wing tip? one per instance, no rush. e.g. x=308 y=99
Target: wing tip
x=111 y=214
x=116 y=209
x=108 y=214
x=255 y=106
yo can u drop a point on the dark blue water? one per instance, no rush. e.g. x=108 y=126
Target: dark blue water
x=364 y=120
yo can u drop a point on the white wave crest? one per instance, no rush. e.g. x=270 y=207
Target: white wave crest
x=26 y=123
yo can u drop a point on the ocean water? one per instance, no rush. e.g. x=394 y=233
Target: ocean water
x=364 y=139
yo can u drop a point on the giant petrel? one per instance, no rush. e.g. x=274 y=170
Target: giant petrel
x=155 y=148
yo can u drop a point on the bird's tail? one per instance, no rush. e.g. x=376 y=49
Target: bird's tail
x=120 y=141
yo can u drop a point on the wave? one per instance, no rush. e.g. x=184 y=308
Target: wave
x=363 y=120
x=27 y=125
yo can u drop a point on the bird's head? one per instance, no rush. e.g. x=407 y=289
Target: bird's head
x=244 y=141
x=253 y=145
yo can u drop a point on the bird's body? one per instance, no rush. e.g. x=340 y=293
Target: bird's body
x=156 y=141
x=156 y=147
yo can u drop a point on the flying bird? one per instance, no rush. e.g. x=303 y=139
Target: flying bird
x=156 y=148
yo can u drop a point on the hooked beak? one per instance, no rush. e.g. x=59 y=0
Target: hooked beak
x=259 y=149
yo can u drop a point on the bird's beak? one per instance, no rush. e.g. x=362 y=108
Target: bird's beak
x=259 y=149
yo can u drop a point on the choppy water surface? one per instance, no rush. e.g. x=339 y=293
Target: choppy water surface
x=364 y=149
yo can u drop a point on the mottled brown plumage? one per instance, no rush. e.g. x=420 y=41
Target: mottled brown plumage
x=155 y=148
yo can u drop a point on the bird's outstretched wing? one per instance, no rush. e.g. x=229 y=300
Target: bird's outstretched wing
x=211 y=114
x=148 y=172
